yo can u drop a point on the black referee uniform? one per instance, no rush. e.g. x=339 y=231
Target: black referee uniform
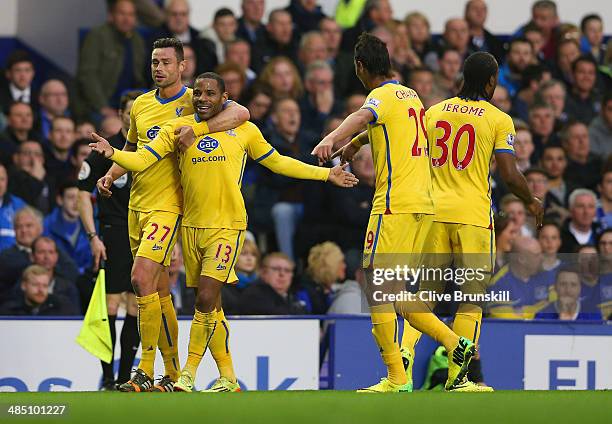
x=113 y=229
x=113 y=217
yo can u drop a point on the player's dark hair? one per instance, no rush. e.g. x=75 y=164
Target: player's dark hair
x=587 y=18
x=18 y=56
x=171 y=42
x=214 y=76
x=586 y=58
x=223 y=12
x=478 y=69
x=130 y=95
x=372 y=53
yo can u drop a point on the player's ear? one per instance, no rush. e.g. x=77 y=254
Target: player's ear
x=181 y=66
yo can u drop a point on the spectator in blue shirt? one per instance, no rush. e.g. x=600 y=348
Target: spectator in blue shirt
x=521 y=278
x=520 y=55
x=568 y=305
x=9 y=204
x=64 y=226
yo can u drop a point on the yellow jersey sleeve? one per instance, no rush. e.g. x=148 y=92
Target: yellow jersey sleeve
x=504 y=135
x=132 y=136
x=378 y=103
x=149 y=153
x=262 y=152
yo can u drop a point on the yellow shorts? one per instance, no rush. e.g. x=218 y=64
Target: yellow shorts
x=153 y=234
x=396 y=238
x=464 y=247
x=211 y=252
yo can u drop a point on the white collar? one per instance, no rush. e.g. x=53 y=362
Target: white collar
x=17 y=93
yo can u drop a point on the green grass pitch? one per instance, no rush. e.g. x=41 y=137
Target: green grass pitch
x=314 y=407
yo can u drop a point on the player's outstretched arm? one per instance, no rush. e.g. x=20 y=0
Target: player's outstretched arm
x=231 y=117
x=351 y=125
x=506 y=164
x=113 y=173
x=137 y=161
x=294 y=168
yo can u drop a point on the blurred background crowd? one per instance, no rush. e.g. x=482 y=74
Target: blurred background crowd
x=295 y=74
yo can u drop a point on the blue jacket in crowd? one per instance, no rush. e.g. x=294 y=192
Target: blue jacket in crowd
x=10 y=205
x=70 y=237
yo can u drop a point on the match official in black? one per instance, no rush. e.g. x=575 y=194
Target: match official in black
x=112 y=245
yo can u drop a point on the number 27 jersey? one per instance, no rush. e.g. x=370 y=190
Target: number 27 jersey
x=463 y=135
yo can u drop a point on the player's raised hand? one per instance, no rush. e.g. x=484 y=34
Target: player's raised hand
x=323 y=150
x=103 y=186
x=185 y=137
x=338 y=176
x=346 y=153
x=536 y=209
x=101 y=145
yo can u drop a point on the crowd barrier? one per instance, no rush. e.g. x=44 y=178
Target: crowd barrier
x=286 y=353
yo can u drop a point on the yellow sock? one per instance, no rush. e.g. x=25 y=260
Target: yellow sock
x=467 y=322
x=168 y=338
x=410 y=337
x=423 y=320
x=149 y=321
x=219 y=348
x=202 y=328
x=385 y=331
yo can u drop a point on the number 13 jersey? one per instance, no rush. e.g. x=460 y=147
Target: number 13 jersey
x=463 y=135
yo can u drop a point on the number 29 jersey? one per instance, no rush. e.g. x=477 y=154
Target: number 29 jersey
x=463 y=135
x=399 y=150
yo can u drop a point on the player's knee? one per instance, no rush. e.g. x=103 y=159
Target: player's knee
x=205 y=302
x=142 y=283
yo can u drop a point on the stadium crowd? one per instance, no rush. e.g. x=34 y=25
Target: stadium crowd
x=295 y=74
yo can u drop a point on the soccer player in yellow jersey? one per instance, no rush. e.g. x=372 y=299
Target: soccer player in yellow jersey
x=465 y=132
x=402 y=209
x=155 y=209
x=214 y=218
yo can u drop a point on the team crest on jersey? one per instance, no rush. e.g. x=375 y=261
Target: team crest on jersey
x=510 y=139
x=373 y=102
x=152 y=132
x=541 y=293
x=231 y=133
x=179 y=111
x=208 y=144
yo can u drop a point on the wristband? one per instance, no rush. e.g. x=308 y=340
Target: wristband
x=90 y=236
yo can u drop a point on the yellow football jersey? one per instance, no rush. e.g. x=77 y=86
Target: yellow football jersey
x=157 y=188
x=463 y=135
x=399 y=149
x=211 y=170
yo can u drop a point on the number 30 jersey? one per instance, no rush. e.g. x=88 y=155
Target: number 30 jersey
x=463 y=135
x=399 y=150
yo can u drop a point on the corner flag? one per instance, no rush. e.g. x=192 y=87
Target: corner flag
x=95 y=336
